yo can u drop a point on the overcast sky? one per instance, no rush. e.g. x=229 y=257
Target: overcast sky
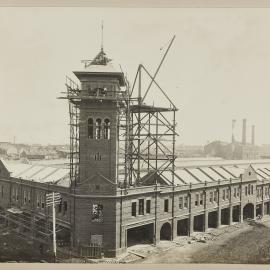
x=217 y=69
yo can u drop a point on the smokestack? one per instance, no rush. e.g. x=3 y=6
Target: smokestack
x=253 y=135
x=244 y=131
x=233 y=125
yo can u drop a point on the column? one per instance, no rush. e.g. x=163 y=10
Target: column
x=190 y=224
x=205 y=220
x=262 y=208
x=231 y=215
x=241 y=214
x=174 y=232
x=219 y=217
x=123 y=239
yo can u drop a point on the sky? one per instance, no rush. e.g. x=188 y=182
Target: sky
x=216 y=70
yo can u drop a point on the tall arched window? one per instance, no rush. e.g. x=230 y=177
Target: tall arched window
x=107 y=129
x=90 y=128
x=98 y=128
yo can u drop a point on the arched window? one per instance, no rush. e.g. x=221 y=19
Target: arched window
x=107 y=129
x=98 y=128
x=90 y=128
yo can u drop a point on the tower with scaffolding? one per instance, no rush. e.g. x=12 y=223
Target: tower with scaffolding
x=142 y=135
x=118 y=143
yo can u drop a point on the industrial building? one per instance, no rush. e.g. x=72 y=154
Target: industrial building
x=236 y=150
x=124 y=184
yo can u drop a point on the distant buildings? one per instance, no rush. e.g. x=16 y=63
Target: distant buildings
x=33 y=152
x=234 y=150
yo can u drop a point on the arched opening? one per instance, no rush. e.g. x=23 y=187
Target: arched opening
x=107 y=129
x=98 y=128
x=90 y=128
x=248 y=211
x=166 y=232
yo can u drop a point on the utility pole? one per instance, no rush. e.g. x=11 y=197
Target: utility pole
x=52 y=199
x=54 y=233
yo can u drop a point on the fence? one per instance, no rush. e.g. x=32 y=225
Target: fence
x=92 y=251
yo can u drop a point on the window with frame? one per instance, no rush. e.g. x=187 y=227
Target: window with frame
x=38 y=200
x=186 y=202
x=252 y=189
x=211 y=196
x=201 y=198
x=166 y=205
x=29 y=197
x=97 y=156
x=17 y=194
x=24 y=197
x=180 y=202
x=90 y=128
x=141 y=206
x=227 y=193
x=60 y=206
x=197 y=200
x=223 y=194
x=98 y=129
x=246 y=190
x=234 y=192
x=133 y=209
x=107 y=129
x=238 y=192
x=215 y=196
x=148 y=206
x=42 y=199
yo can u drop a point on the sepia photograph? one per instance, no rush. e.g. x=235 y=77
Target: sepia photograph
x=134 y=135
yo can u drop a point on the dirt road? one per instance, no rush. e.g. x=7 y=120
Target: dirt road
x=250 y=244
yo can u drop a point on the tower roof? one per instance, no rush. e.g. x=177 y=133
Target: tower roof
x=101 y=66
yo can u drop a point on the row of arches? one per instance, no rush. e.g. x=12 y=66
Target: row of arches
x=99 y=129
x=145 y=233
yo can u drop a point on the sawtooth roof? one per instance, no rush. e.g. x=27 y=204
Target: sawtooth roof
x=39 y=173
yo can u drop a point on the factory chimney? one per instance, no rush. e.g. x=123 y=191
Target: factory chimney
x=233 y=126
x=244 y=131
x=253 y=135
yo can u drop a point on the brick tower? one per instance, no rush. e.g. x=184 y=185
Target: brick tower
x=98 y=100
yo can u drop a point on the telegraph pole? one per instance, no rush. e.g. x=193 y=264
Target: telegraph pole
x=52 y=199
x=54 y=232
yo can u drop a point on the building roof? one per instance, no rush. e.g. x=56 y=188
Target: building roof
x=220 y=172
x=39 y=173
x=101 y=66
x=184 y=175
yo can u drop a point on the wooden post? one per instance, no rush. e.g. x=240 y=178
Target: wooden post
x=54 y=232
